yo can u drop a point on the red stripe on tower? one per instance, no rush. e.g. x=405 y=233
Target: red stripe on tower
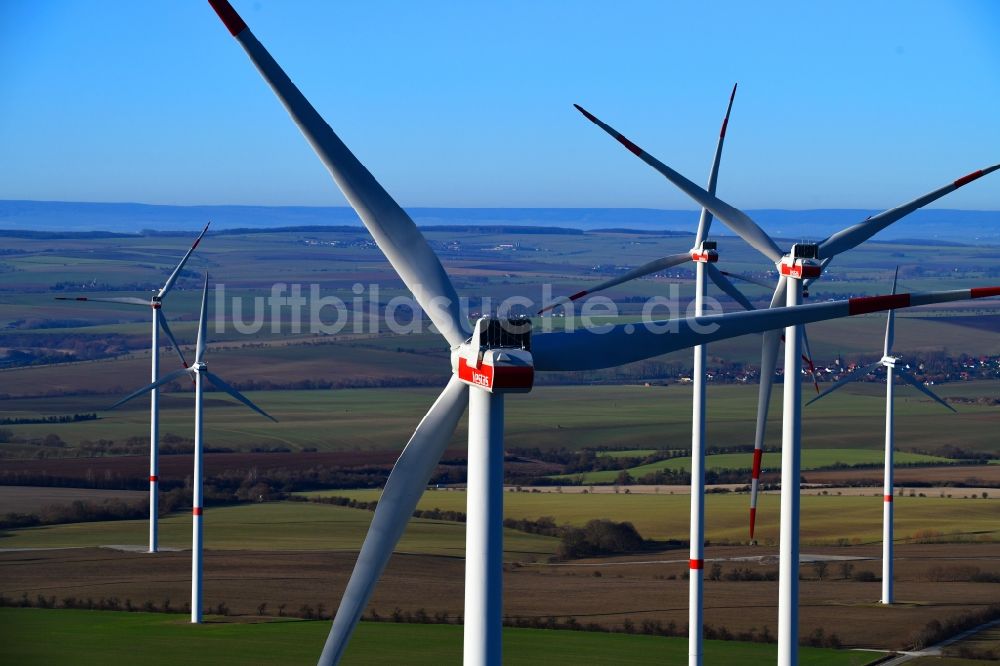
x=964 y=180
x=867 y=304
x=196 y=511
x=984 y=292
x=153 y=479
x=696 y=564
x=888 y=498
x=233 y=22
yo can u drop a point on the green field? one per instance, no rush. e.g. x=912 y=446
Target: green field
x=811 y=459
x=39 y=637
x=826 y=519
x=273 y=526
x=632 y=417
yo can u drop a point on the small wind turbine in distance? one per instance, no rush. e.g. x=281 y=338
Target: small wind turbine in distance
x=888 y=361
x=801 y=263
x=159 y=321
x=485 y=363
x=198 y=372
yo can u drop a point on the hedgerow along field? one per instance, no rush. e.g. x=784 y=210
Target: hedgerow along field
x=39 y=637
x=826 y=519
x=811 y=459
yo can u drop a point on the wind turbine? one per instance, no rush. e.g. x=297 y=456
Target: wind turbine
x=497 y=357
x=159 y=321
x=704 y=254
x=198 y=372
x=802 y=262
x=888 y=361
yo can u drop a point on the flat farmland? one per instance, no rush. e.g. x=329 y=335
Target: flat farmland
x=826 y=519
x=638 y=588
x=34 y=637
x=574 y=417
x=811 y=459
x=272 y=526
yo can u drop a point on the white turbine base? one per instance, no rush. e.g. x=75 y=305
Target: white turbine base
x=791 y=459
x=482 y=643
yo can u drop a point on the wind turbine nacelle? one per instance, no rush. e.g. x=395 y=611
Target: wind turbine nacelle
x=802 y=262
x=706 y=254
x=498 y=356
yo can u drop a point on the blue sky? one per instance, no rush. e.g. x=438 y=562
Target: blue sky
x=846 y=105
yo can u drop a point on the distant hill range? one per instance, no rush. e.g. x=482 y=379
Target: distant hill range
x=962 y=226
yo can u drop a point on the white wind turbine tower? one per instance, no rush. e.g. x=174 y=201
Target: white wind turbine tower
x=704 y=254
x=159 y=321
x=198 y=372
x=499 y=356
x=888 y=361
x=804 y=261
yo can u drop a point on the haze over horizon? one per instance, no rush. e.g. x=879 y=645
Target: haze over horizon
x=461 y=105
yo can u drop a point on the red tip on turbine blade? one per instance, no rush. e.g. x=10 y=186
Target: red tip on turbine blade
x=587 y=114
x=579 y=294
x=636 y=150
x=725 y=121
x=757 y=455
x=984 y=292
x=868 y=304
x=753 y=521
x=964 y=180
x=233 y=22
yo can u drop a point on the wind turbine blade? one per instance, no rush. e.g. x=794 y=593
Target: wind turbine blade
x=728 y=287
x=890 y=323
x=199 y=350
x=654 y=266
x=746 y=278
x=169 y=284
x=853 y=236
x=170 y=335
x=406 y=484
x=808 y=357
x=856 y=373
x=393 y=230
x=770 y=343
x=732 y=217
x=705 y=221
x=166 y=379
x=910 y=379
x=222 y=385
x=124 y=300
x=610 y=346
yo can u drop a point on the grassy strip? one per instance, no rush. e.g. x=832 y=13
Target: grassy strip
x=34 y=636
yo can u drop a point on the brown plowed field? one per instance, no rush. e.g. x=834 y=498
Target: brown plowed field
x=636 y=588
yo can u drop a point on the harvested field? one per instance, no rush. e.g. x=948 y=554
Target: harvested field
x=30 y=499
x=987 y=476
x=637 y=588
